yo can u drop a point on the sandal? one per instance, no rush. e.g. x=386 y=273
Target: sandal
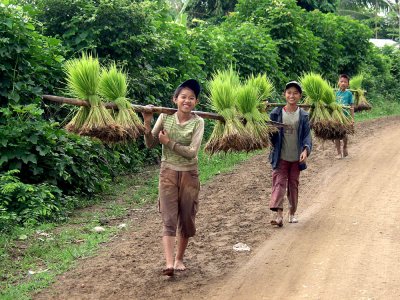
x=277 y=223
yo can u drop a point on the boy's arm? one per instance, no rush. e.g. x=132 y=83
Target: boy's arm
x=191 y=150
x=151 y=136
x=274 y=136
x=307 y=136
x=352 y=106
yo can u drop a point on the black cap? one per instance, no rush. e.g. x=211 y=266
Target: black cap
x=295 y=84
x=193 y=85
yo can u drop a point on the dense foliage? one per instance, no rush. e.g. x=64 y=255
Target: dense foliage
x=30 y=62
x=343 y=43
x=52 y=163
x=139 y=35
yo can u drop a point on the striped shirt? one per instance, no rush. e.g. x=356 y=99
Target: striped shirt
x=180 y=154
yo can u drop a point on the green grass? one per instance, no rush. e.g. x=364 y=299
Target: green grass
x=379 y=109
x=56 y=247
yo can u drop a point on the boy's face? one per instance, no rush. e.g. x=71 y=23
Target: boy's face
x=186 y=100
x=292 y=95
x=343 y=83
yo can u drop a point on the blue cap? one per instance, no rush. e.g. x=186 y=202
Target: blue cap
x=193 y=85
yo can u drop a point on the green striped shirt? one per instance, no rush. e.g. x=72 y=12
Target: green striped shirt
x=181 y=152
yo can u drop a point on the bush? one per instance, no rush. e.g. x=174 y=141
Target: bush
x=30 y=63
x=297 y=46
x=27 y=203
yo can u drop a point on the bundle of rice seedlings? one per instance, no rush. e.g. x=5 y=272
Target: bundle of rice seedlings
x=264 y=87
x=229 y=135
x=82 y=82
x=249 y=97
x=327 y=118
x=113 y=85
x=360 y=102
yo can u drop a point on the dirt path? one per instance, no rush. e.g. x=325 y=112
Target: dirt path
x=345 y=246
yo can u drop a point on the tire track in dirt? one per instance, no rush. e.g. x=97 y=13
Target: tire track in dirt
x=233 y=208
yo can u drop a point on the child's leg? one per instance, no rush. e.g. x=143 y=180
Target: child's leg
x=189 y=187
x=168 y=201
x=339 y=151
x=182 y=244
x=293 y=187
x=168 y=245
x=279 y=184
x=345 y=152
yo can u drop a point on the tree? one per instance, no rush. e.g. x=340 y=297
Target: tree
x=368 y=10
x=213 y=10
x=323 y=6
x=30 y=63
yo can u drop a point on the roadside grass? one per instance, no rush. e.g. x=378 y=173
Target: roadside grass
x=380 y=108
x=31 y=257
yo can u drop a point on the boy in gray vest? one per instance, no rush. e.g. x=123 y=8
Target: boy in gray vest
x=290 y=148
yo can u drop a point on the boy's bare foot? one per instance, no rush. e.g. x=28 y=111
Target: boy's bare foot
x=179 y=266
x=339 y=156
x=168 y=271
x=345 y=153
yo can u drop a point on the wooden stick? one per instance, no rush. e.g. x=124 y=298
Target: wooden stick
x=141 y=108
x=299 y=105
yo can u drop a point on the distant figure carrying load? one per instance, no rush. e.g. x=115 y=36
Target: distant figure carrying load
x=344 y=97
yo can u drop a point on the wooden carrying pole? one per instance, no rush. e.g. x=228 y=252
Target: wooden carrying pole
x=141 y=108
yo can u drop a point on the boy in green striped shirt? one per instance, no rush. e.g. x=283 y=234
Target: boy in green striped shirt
x=180 y=135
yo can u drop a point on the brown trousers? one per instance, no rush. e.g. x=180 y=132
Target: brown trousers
x=178 y=201
x=285 y=177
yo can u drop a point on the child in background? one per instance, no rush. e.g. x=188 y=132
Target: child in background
x=180 y=135
x=344 y=97
x=290 y=148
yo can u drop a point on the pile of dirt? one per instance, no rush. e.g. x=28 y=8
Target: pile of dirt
x=233 y=208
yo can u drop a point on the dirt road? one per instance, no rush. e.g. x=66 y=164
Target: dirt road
x=345 y=246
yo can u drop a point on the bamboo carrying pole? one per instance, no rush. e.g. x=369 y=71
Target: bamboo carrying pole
x=141 y=108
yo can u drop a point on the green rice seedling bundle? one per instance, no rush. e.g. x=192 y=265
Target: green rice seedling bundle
x=113 y=85
x=360 y=102
x=249 y=97
x=228 y=135
x=327 y=119
x=82 y=82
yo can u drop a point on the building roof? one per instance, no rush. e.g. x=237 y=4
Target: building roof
x=384 y=42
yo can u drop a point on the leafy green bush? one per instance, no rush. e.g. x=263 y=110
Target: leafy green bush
x=27 y=203
x=297 y=46
x=343 y=43
x=43 y=167
x=137 y=34
x=44 y=153
x=247 y=46
x=30 y=63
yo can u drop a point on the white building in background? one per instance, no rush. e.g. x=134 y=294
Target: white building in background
x=384 y=42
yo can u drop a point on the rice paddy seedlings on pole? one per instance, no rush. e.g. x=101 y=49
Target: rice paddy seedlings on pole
x=113 y=85
x=249 y=100
x=228 y=135
x=360 y=102
x=82 y=82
